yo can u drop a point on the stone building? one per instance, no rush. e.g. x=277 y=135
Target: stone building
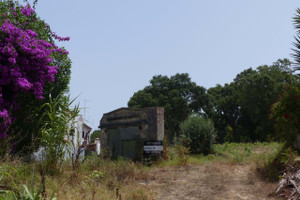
x=126 y=129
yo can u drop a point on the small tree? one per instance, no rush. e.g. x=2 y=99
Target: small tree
x=198 y=134
x=286 y=114
x=95 y=134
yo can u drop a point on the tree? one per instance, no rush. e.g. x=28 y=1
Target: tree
x=296 y=51
x=241 y=109
x=32 y=68
x=256 y=93
x=95 y=134
x=178 y=95
x=286 y=114
x=224 y=111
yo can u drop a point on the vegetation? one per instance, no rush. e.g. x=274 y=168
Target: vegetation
x=99 y=178
x=240 y=110
x=178 y=95
x=296 y=50
x=95 y=134
x=56 y=125
x=32 y=69
x=35 y=112
x=286 y=113
x=198 y=134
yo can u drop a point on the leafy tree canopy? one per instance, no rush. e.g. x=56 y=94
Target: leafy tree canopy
x=95 y=134
x=223 y=109
x=241 y=109
x=177 y=94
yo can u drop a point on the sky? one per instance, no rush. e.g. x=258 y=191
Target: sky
x=116 y=47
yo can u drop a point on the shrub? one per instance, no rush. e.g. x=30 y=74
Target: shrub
x=26 y=59
x=32 y=67
x=286 y=114
x=198 y=134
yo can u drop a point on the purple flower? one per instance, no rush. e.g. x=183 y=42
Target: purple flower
x=38 y=90
x=31 y=33
x=4 y=114
x=5 y=121
x=25 y=62
x=27 y=10
x=12 y=60
x=60 y=38
x=24 y=83
x=15 y=73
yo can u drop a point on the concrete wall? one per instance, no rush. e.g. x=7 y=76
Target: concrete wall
x=126 y=129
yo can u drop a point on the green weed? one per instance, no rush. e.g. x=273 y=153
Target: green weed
x=99 y=178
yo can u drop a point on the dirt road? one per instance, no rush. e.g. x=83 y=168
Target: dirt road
x=213 y=181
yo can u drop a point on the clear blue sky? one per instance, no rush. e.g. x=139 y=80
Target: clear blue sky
x=117 y=46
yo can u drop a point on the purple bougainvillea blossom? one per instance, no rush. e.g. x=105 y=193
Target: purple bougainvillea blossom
x=60 y=38
x=27 y=10
x=25 y=63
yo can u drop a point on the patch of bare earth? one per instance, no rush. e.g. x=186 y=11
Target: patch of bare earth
x=214 y=181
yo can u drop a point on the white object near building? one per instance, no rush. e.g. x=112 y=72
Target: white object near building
x=98 y=146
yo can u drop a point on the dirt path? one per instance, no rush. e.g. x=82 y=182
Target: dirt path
x=214 y=181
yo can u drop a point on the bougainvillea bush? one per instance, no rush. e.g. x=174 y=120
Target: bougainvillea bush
x=286 y=113
x=29 y=66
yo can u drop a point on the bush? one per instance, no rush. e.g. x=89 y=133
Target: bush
x=198 y=134
x=32 y=67
x=286 y=114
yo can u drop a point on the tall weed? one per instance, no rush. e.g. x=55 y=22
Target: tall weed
x=56 y=126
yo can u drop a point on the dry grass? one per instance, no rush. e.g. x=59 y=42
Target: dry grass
x=216 y=180
x=96 y=179
x=107 y=180
x=230 y=173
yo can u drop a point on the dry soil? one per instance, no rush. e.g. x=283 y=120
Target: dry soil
x=213 y=181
